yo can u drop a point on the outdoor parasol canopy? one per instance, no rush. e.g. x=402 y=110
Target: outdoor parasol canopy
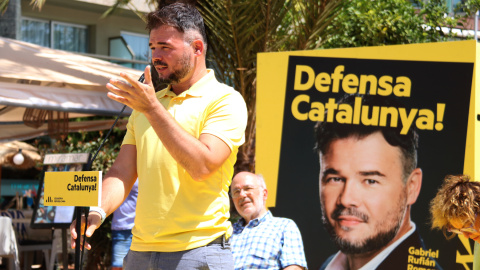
x=42 y=79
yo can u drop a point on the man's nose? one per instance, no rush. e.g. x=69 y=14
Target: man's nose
x=349 y=195
x=243 y=193
x=156 y=55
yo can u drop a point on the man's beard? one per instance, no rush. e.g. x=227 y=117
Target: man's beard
x=177 y=74
x=373 y=243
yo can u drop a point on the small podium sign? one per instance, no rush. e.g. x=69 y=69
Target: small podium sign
x=74 y=188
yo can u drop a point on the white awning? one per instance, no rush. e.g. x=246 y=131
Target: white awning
x=55 y=98
x=32 y=76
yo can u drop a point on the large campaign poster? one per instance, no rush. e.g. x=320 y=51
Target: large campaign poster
x=433 y=86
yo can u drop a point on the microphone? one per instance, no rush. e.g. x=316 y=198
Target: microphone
x=142 y=78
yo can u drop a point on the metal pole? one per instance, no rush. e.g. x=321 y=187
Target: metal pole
x=78 y=228
x=64 y=248
x=476 y=26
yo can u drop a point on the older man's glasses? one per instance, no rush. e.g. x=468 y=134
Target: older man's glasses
x=247 y=190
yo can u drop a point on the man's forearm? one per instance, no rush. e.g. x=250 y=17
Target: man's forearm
x=199 y=157
x=119 y=180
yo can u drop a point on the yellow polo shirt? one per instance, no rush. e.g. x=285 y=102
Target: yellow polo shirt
x=175 y=212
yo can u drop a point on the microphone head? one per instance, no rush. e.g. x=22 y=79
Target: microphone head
x=142 y=78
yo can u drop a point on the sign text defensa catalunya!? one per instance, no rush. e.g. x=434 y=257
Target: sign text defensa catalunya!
x=401 y=86
x=73 y=188
x=79 y=179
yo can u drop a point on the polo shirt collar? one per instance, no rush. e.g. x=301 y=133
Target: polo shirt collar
x=196 y=90
x=257 y=221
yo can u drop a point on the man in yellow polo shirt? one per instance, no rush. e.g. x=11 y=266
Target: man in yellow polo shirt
x=182 y=144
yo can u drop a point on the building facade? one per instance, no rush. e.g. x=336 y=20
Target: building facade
x=78 y=26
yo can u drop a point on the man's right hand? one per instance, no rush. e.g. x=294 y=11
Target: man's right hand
x=94 y=221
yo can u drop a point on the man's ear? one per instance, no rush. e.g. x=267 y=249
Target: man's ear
x=414 y=184
x=198 y=47
x=265 y=194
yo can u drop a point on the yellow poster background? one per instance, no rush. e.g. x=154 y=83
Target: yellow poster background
x=271 y=108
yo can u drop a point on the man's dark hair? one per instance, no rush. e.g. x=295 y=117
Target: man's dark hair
x=183 y=15
x=326 y=132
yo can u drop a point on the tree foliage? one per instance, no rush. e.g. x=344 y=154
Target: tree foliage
x=238 y=30
x=374 y=23
x=470 y=7
x=88 y=142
